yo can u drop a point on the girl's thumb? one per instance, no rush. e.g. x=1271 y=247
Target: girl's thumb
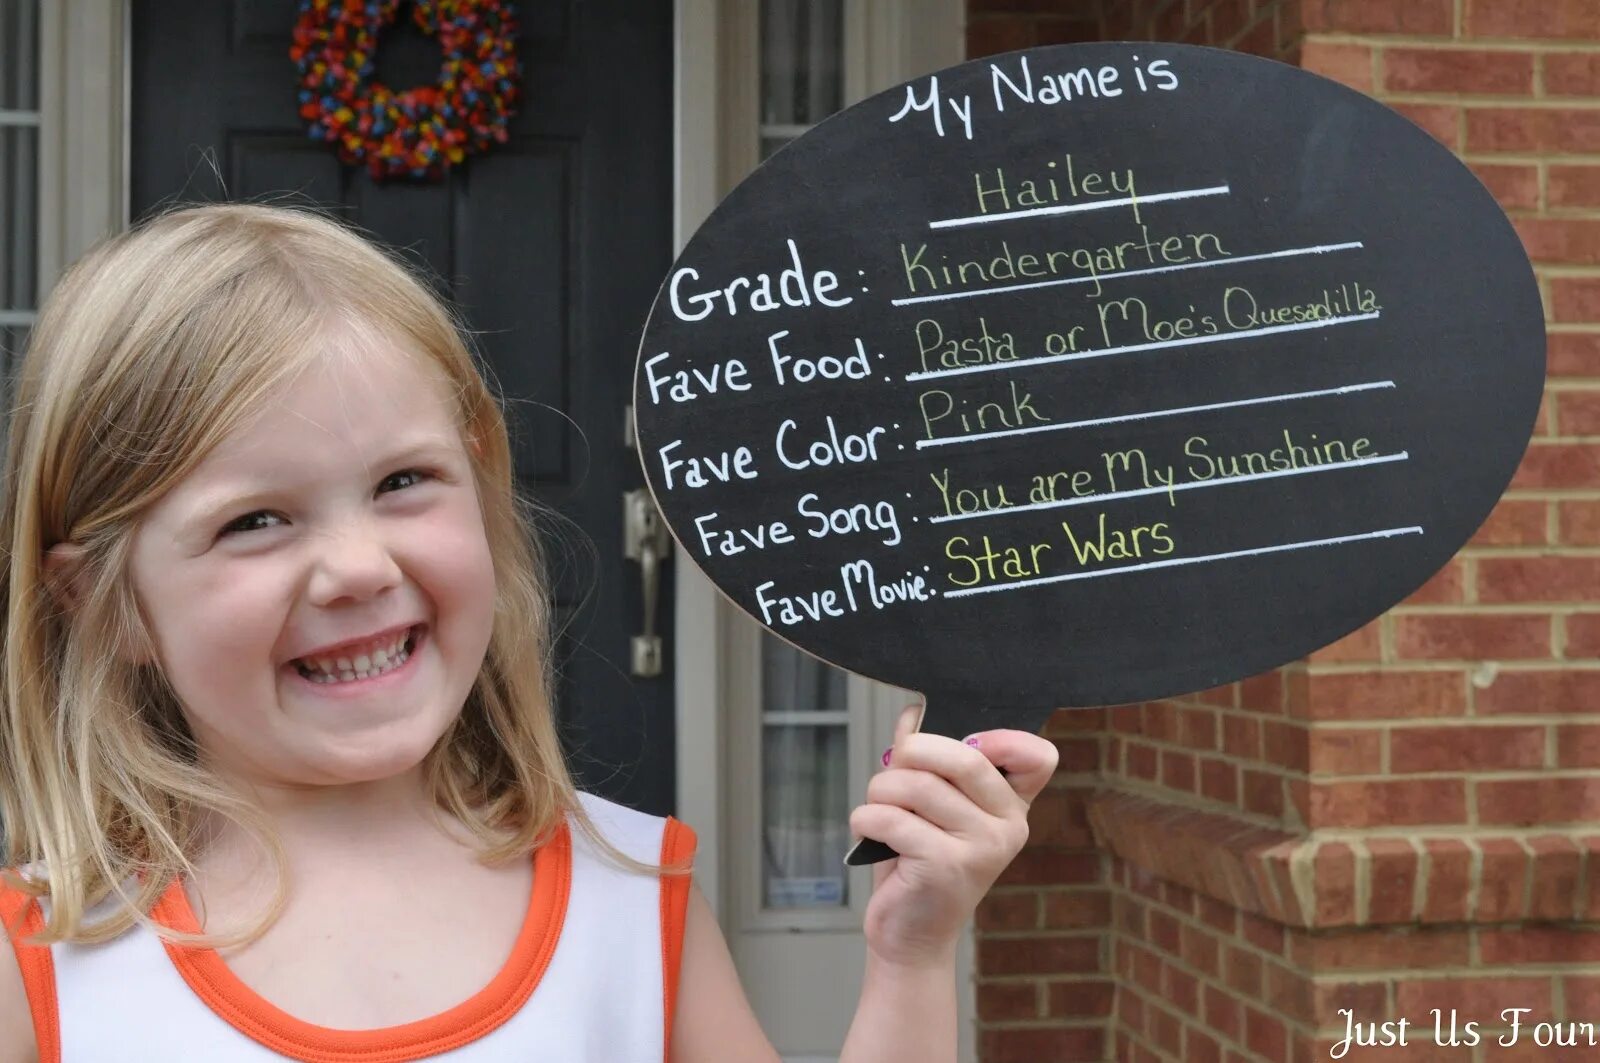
x=910 y=719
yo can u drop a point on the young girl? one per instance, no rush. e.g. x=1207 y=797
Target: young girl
x=278 y=772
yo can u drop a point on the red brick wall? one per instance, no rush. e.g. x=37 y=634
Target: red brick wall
x=1409 y=818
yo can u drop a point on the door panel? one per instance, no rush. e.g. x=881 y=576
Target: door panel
x=553 y=244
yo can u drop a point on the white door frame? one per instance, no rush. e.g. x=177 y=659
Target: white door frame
x=83 y=129
x=717 y=648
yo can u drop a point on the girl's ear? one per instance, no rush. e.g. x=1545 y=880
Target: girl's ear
x=63 y=574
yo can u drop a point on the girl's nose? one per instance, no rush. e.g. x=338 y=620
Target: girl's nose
x=355 y=562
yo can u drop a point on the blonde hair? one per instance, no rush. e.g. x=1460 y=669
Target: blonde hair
x=151 y=349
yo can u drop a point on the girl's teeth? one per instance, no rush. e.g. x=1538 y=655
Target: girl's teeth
x=362 y=667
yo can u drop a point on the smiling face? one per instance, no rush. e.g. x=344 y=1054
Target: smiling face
x=347 y=509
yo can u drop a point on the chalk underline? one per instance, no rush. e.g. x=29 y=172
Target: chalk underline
x=1320 y=249
x=1120 y=418
x=1163 y=489
x=1173 y=563
x=1073 y=208
x=1104 y=352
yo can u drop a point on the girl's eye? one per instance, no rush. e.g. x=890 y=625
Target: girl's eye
x=248 y=521
x=418 y=474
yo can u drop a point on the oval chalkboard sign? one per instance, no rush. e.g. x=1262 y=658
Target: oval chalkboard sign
x=1087 y=375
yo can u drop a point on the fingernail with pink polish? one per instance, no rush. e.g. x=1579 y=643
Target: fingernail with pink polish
x=886 y=753
x=972 y=740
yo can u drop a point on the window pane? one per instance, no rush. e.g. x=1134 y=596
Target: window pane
x=19 y=52
x=13 y=341
x=805 y=830
x=19 y=199
x=801 y=45
x=792 y=681
x=805 y=778
x=772 y=144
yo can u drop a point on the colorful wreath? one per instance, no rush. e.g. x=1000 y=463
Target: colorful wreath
x=422 y=131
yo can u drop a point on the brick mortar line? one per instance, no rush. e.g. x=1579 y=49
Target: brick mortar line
x=1063 y=978
x=1509 y=45
x=1565 y=271
x=1043 y=1022
x=1474 y=873
x=1376 y=724
x=1144 y=788
x=1419 y=888
x=1586 y=873
x=1407 y=664
x=1533 y=607
x=1461 y=723
x=1392 y=724
x=1528 y=876
x=1558 y=437
x=1513 y=551
x=1362 y=871
x=1272 y=884
x=1040 y=934
x=1530 y=158
x=1480 y=101
x=1583 y=46
x=1303 y=876
x=1379 y=725
x=1447 y=833
x=1573 y=385
x=1516 y=665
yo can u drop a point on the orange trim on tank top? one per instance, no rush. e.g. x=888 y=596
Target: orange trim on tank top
x=23 y=918
x=677 y=843
x=257 y=1018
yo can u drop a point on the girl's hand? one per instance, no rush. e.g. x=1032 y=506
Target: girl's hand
x=955 y=822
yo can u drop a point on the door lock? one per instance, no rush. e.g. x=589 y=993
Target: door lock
x=645 y=539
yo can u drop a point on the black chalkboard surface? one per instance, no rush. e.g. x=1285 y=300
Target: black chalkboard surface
x=1087 y=375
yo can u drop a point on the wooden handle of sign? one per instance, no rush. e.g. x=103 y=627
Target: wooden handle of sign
x=868 y=851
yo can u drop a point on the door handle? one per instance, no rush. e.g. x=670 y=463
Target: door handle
x=645 y=539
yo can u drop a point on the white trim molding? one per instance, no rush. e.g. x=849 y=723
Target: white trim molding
x=716 y=648
x=83 y=132
x=698 y=617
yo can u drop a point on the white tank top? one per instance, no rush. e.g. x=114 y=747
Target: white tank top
x=592 y=977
